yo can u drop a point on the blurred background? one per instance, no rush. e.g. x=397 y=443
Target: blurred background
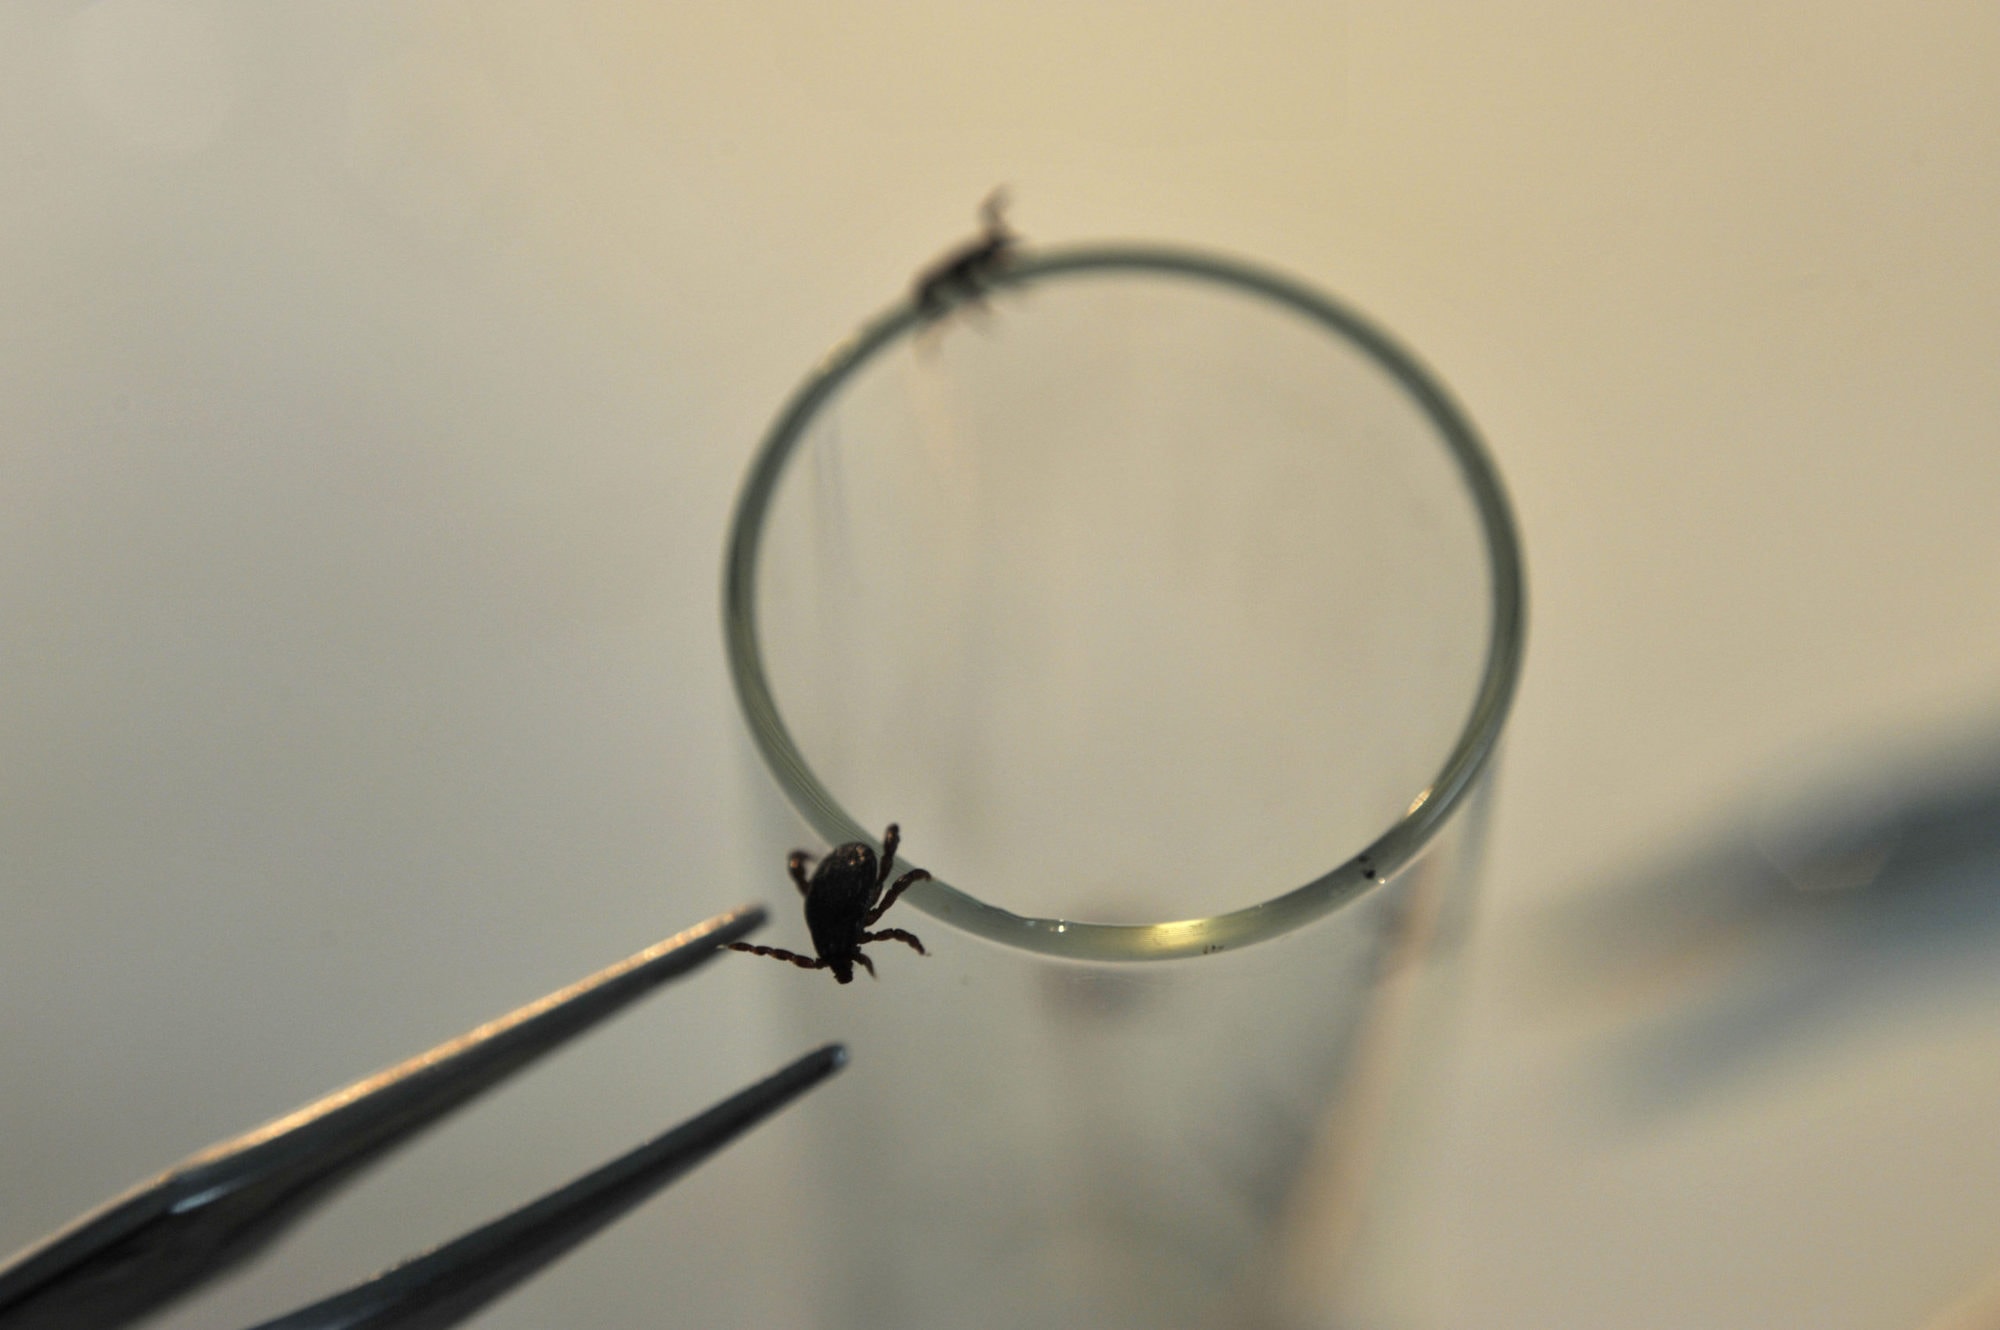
x=374 y=384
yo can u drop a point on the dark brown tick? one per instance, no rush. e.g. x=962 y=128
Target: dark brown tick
x=841 y=906
x=963 y=274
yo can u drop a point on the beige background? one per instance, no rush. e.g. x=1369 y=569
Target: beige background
x=375 y=378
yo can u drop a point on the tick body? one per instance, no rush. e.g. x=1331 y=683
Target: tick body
x=844 y=898
x=963 y=274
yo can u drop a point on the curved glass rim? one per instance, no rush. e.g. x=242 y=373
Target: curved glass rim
x=1378 y=861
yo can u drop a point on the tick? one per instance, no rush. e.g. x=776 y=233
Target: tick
x=963 y=274
x=841 y=906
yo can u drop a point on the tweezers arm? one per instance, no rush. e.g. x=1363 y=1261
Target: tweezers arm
x=218 y=1207
x=448 y=1285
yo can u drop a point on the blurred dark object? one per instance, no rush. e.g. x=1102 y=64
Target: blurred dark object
x=1870 y=885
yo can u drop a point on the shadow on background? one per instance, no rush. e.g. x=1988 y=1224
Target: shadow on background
x=1866 y=891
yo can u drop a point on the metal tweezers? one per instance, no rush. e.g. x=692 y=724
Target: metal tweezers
x=135 y=1253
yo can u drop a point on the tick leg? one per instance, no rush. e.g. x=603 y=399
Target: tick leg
x=796 y=866
x=865 y=964
x=890 y=840
x=779 y=953
x=913 y=876
x=994 y=213
x=895 y=935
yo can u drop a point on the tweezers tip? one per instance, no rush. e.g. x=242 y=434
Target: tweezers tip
x=747 y=916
